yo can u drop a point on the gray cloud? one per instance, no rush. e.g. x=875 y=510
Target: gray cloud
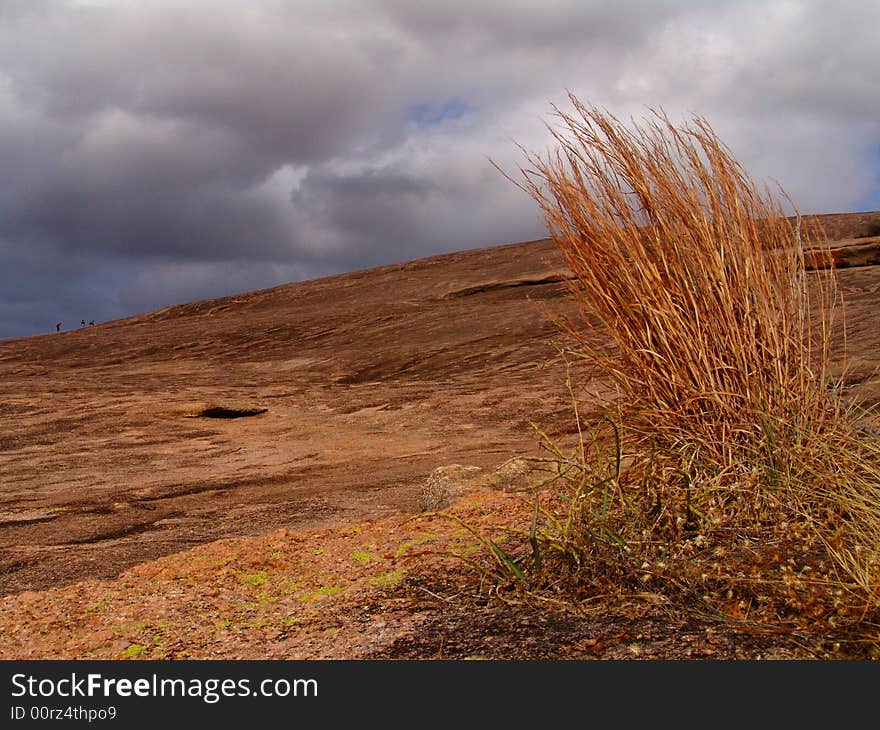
x=158 y=152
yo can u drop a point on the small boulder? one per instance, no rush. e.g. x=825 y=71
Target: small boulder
x=446 y=483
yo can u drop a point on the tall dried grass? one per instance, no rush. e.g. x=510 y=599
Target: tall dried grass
x=695 y=301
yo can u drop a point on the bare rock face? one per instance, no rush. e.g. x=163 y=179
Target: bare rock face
x=304 y=406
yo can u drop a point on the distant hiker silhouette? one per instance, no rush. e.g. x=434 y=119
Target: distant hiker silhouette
x=92 y=323
x=58 y=327
x=82 y=323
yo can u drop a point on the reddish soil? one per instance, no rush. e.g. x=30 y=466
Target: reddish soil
x=129 y=519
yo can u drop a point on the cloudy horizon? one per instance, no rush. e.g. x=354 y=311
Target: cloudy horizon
x=158 y=152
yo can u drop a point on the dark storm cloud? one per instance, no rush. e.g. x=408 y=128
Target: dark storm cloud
x=147 y=218
x=155 y=152
x=417 y=200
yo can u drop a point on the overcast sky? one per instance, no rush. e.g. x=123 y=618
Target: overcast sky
x=153 y=153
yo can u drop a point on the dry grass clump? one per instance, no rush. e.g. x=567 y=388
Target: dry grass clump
x=696 y=303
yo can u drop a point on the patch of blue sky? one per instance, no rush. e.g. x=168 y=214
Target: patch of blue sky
x=431 y=113
x=871 y=201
